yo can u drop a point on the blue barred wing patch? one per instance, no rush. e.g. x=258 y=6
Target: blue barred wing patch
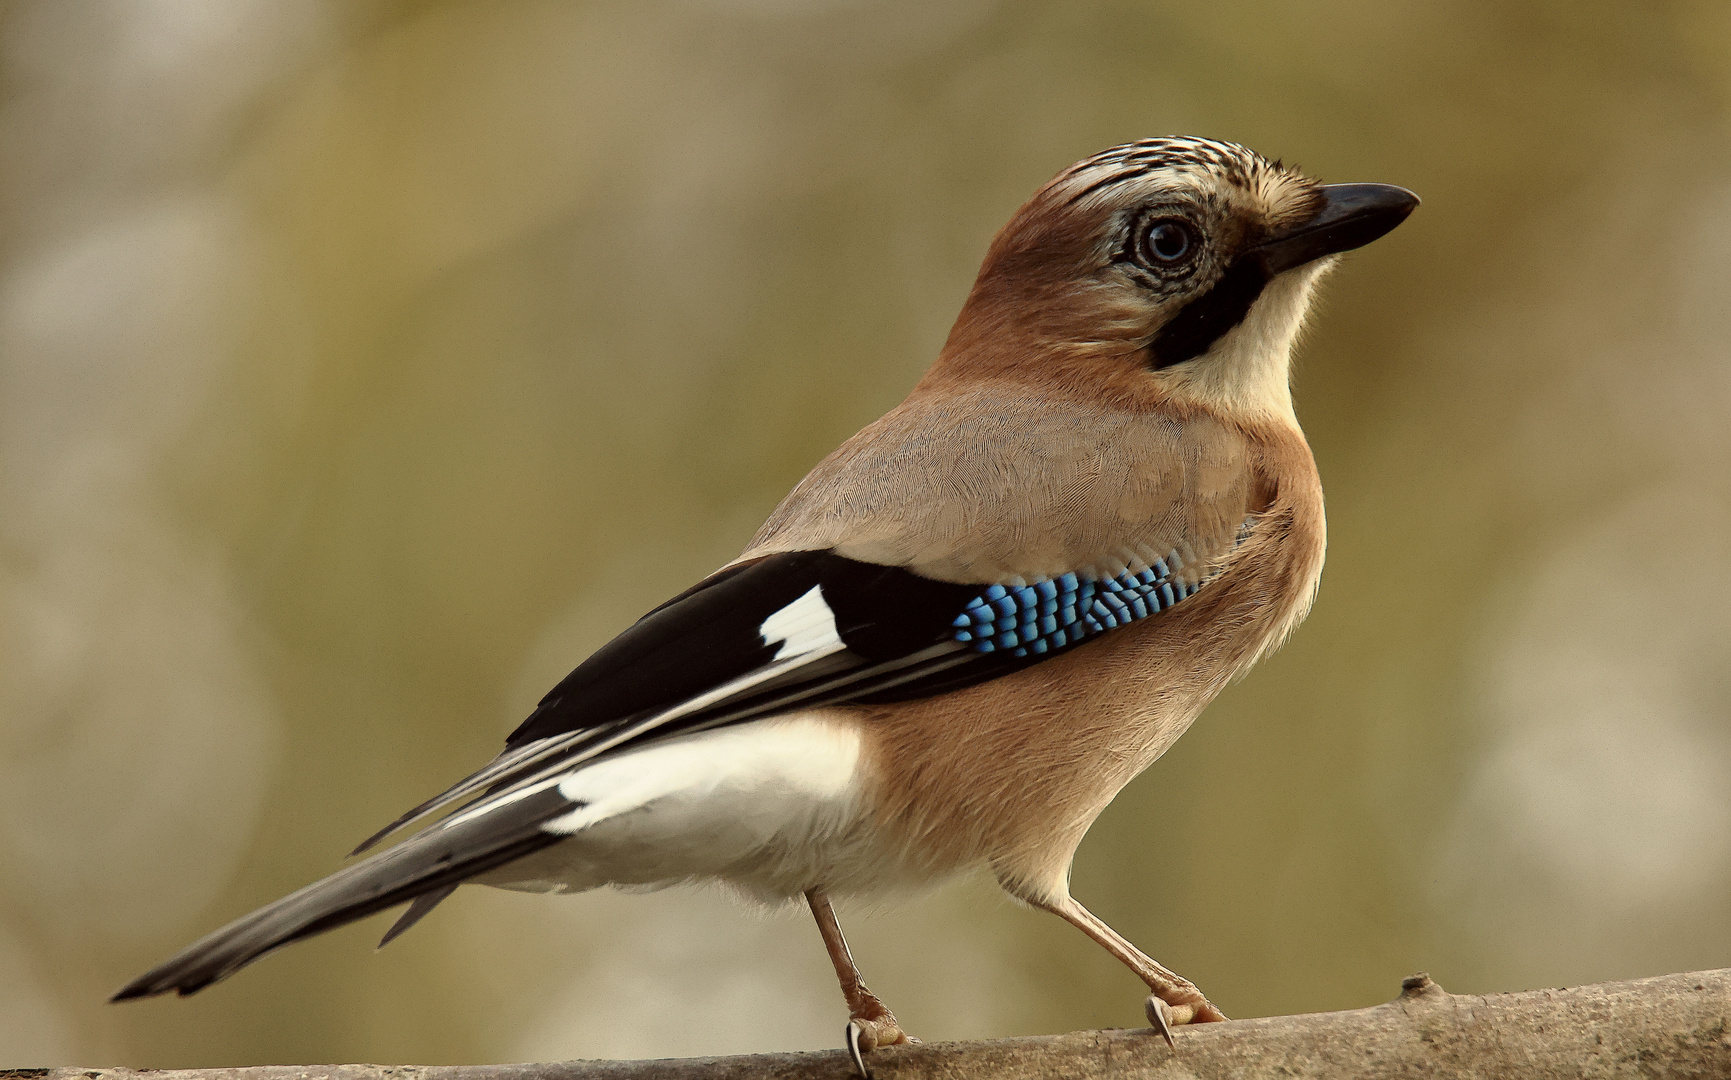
x=1027 y=620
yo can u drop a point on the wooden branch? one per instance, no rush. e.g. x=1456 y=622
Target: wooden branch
x=1672 y=1026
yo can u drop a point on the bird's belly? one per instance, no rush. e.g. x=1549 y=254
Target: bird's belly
x=772 y=807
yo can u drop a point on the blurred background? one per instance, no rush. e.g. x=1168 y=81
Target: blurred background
x=364 y=365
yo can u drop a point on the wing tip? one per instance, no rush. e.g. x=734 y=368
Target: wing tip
x=418 y=909
x=155 y=983
x=131 y=992
x=372 y=840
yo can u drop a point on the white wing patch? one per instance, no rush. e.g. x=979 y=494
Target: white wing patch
x=804 y=626
x=766 y=806
x=776 y=768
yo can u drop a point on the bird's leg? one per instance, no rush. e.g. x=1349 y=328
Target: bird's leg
x=870 y=1023
x=1175 y=999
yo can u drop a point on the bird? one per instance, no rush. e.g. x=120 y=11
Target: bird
x=968 y=627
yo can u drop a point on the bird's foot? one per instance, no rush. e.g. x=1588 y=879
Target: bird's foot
x=866 y=1033
x=1189 y=1008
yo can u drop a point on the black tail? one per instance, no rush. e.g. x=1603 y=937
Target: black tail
x=429 y=864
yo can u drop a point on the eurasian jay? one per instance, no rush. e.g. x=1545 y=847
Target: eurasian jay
x=971 y=625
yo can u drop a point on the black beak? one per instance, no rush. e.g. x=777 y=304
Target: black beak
x=1352 y=216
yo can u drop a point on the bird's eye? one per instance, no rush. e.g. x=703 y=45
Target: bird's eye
x=1169 y=241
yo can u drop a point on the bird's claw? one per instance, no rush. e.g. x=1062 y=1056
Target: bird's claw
x=1164 y=1016
x=1158 y=1016
x=853 y=1033
x=864 y=1035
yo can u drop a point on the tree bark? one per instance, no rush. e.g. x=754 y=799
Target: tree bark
x=1672 y=1026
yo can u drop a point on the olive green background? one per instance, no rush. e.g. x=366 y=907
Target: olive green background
x=364 y=365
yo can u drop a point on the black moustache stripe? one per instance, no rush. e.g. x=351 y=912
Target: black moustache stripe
x=1202 y=322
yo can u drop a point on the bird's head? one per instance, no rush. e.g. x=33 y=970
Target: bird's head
x=1168 y=271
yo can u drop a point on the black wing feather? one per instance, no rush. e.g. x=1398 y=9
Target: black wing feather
x=712 y=634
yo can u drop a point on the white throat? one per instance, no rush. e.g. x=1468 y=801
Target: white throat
x=1247 y=373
